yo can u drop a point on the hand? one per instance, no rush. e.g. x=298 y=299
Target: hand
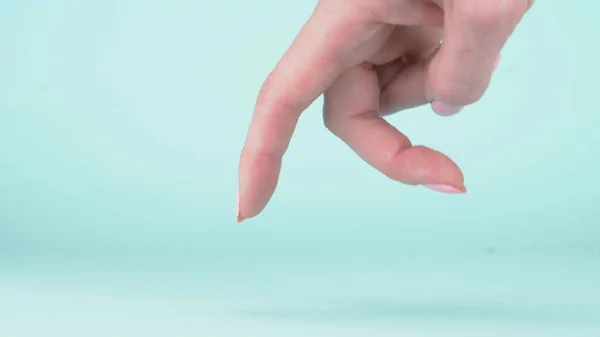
x=371 y=58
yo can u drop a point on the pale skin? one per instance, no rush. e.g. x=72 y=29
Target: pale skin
x=371 y=58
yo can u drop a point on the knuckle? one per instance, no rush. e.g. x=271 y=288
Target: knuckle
x=327 y=115
x=272 y=99
x=266 y=89
x=329 y=122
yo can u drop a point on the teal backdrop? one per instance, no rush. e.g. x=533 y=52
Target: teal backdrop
x=121 y=124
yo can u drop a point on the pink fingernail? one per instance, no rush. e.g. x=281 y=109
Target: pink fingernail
x=443 y=109
x=237 y=209
x=446 y=189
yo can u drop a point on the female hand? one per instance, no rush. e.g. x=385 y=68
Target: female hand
x=371 y=58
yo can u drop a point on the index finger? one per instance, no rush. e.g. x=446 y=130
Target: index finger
x=318 y=55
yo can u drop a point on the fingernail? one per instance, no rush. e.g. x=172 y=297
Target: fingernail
x=237 y=209
x=443 y=109
x=446 y=188
x=497 y=61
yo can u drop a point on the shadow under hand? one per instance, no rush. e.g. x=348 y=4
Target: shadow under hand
x=387 y=310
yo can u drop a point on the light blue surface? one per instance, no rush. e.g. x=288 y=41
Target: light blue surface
x=121 y=124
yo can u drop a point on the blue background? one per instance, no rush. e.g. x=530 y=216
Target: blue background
x=121 y=124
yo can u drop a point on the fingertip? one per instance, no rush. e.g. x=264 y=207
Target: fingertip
x=258 y=177
x=421 y=165
x=444 y=109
